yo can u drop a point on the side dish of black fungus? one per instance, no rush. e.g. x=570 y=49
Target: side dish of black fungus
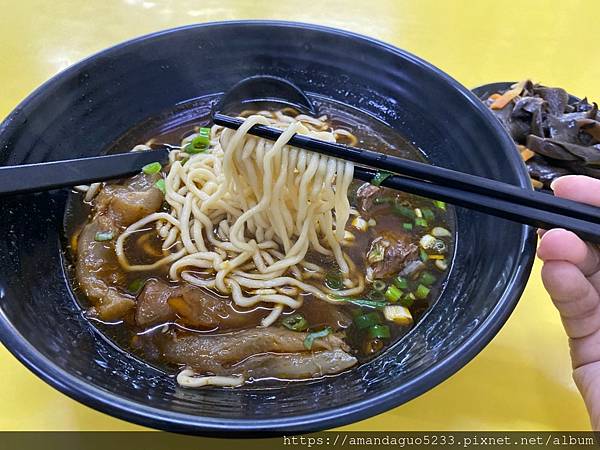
x=556 y=134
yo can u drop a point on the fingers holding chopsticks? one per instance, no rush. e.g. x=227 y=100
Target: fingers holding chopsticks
x=571 y=274
x=578 y=188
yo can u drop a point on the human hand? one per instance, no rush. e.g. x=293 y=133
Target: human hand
x=571 y=275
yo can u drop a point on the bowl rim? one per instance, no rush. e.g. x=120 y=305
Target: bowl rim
x=150 y=416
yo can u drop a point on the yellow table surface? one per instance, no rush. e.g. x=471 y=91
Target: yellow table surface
x=522 y=380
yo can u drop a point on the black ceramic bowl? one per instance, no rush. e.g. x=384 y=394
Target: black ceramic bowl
x=84 y=109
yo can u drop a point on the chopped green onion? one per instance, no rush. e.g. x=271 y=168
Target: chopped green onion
x=422 y=292
x=152 y=168
x=403 y=211
x=427 y=279
x=202 y=139
x=407 y=226
x=408 y=300
x=401 y=283
x=160 y=184
x=440 y=246
x=423 y=255
x=379 y=332
x=334 y=280
x=367 y=320
x=310 y=339
x=428 y=214
x=420 y=222
x=393 y=294
x=102 y=236
x=380 y=178
x=367 y=303
x=379 y=285
x=189 y=148
x=295 y=322
x=440 y=204
x=136 y=286
x=362 y=302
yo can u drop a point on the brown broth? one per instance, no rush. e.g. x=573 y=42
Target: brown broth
x=171 y=128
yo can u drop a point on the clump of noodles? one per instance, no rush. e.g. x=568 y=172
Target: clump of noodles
x=245 y=213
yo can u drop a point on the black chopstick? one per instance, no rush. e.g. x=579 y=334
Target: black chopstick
x=422 y=171
x=56 y=174
x=477 y=193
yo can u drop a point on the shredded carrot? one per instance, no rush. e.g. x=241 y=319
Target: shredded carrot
x=537 y=184
x=508 y=96
x=526 y=154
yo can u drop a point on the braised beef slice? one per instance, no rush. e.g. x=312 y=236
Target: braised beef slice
x=153 y=304
x=190 y=306
x=395 y=250
x=366 y=195
x=97 y=269
x=197 y=308
x=216 y=353
x=325 y=314
x=293 y=366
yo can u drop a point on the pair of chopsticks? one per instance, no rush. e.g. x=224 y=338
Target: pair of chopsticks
x=477 y=193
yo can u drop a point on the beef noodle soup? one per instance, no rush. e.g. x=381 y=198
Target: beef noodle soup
x=241 y=259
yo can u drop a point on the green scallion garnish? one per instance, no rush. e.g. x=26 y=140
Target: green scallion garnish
x=136 y=286
x=422 y=292
x=420 y=222
x=408 y=300
x=379 y=285
x=363 y=302
x=423 y=255
x=407 y=226
x=401 y=282
x=379 y=332
x=310 y=339
x=428 y=214
x=202 y=139
x=190 y=149
x=367 y=320
x=393 y=294
x=295 y=322
x=367 y=303
x=160 y=184
x=152 y=168
x=440 y=204
x=380 y=177
x=427 y=279
x=334 y=280
x=102 y=236
x=403 y=211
